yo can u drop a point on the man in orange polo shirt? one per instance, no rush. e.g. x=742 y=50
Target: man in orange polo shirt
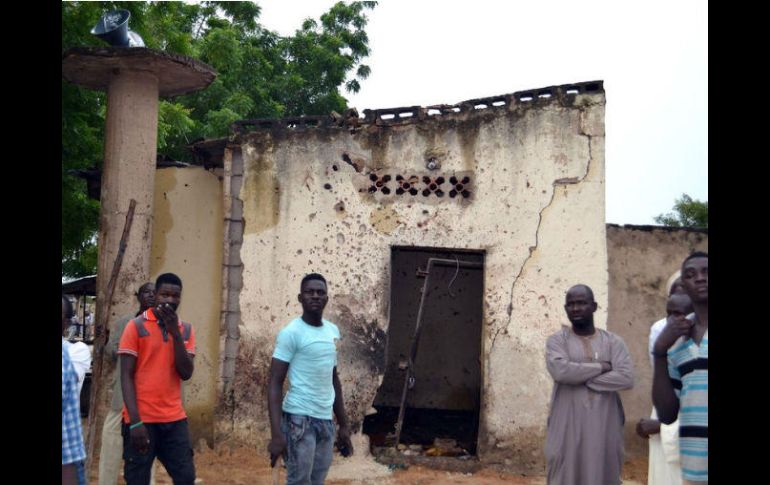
x=156 y=354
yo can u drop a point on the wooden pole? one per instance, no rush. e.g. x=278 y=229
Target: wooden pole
x=100 y=323
x=409 y=379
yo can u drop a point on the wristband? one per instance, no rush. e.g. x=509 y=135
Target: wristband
x=136 y=425
x=657 y=354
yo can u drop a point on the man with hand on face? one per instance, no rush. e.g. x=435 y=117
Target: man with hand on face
x=156 y=354
x=584 y=443
x=301 y=428
x=112 y=440
x=663 y=463
x=680 y=380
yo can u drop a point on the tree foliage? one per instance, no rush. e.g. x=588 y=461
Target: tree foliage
x=687 y=213
x=260 y=75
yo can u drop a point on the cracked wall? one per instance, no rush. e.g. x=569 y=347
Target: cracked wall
x=568 y=247
x=536 y=208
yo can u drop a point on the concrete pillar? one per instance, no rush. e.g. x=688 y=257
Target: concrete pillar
x=134 y=78
x=130 y=150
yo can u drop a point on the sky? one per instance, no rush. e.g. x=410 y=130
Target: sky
x=651 y=55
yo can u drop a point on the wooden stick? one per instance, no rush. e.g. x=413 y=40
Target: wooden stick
x=432 y=263
x=412 y=355
x=99 y=325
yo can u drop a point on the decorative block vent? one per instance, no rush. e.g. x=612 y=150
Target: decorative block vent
x=422 y=186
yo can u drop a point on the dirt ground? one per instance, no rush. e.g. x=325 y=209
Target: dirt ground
x=243 y=466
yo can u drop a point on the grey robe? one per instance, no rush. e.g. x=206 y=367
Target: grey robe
x=584 y=445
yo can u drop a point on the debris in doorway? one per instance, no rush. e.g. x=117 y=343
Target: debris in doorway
x=422 y=427
x=440 y=447
x=445 y=447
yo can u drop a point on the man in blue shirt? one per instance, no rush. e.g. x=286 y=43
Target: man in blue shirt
x=303 y=432
x=72 y=450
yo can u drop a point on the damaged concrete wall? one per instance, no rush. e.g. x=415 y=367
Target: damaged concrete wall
x=187 y=241
x=527 y=172
x=641 y=260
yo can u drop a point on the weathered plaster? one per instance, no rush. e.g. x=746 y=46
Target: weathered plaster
x=537 y=209
x=641 y=260
x=187 y=228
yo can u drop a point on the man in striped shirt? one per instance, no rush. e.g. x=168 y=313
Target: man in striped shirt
x=680 y=381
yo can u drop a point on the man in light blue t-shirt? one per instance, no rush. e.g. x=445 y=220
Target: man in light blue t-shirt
x=303 y=432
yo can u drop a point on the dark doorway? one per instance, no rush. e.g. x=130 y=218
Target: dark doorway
x=444 y=402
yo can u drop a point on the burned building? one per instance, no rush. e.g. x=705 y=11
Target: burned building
x=505 y=195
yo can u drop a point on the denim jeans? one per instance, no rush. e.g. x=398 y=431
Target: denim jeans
x=81 y=468
x=310 y=447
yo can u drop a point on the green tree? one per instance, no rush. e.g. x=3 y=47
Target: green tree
x=260 y=75
x=687 y=213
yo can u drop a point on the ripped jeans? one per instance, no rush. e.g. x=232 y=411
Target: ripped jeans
x=310 y=447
